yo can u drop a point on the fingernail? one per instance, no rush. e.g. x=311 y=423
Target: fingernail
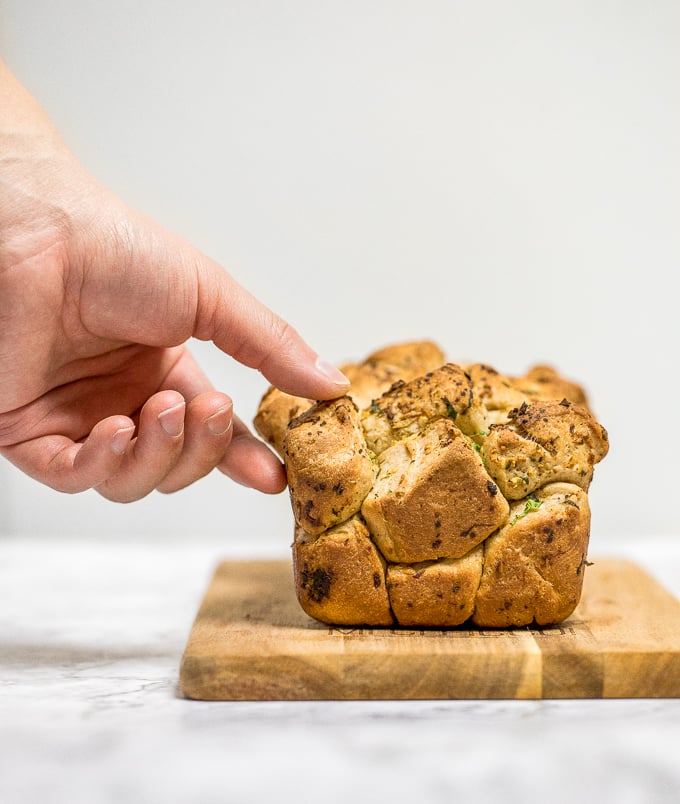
x=172 y=420
x=331 y=372
x=220 y=421
x=121 y=438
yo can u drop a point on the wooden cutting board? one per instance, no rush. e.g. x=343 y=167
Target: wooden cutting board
x=252 y=641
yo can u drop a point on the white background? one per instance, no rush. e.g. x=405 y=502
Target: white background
x=500 y=177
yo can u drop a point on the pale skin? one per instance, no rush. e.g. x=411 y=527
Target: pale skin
x=97 y=302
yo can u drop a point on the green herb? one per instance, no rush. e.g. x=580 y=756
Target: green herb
x=532 y=504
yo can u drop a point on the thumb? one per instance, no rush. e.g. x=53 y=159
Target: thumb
x=243 y=327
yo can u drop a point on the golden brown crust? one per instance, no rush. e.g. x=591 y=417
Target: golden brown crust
x=546 y=383
x=467 y=487
x=407 y=408
x=438 y=593
x=369 y=379
x=412 y=358
x=495 y=392
x=544 y=441
x=499 y=394
x=432 y=497
x=340 y=576
x=275 y=412
x=330 y=470
x=381 y=369
x=534 y=566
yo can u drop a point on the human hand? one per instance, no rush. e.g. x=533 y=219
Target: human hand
x=97 y=387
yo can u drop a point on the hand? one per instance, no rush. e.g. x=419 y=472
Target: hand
x=97 y=387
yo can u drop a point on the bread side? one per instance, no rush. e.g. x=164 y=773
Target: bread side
x=340 y=576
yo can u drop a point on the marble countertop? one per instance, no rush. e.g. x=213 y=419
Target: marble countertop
x=91 y=635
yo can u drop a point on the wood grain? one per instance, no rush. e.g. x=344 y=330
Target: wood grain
x=252 y=641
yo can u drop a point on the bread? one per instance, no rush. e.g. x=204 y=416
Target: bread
x=435 y=494
x=369 y=379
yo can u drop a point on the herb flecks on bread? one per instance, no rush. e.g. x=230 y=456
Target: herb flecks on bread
x=436 y=493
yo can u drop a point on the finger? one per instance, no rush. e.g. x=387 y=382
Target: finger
x=153 y=453
x=67 y=466
x=207 y=433
x=249 y=462
x=250 y=332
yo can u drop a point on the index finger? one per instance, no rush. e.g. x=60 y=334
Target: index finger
x=245 y=328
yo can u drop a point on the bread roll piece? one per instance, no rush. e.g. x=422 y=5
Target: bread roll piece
x=499 y=394
x=546 y=383
x=544 y=441
x=330 y=468
x=434 y=495
x=407 y=408
x=435 y=592
x=340 y=576
x=534 y=565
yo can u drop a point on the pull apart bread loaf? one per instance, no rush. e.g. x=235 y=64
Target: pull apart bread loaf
x=435 y=493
